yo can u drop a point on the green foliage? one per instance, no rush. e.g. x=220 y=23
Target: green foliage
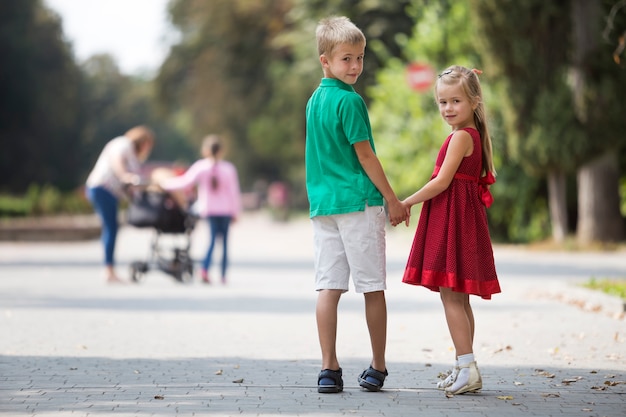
x=43 y=201
x=12 y=206
x=255 y=64
x=616 y=287
x=408 y=129
x=39 y=82
x=622 y=192
x=113 y=103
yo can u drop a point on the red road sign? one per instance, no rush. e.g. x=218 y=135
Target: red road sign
x=420 y=76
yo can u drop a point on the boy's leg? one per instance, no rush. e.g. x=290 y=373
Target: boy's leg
x=376 y=316
x=326 y=315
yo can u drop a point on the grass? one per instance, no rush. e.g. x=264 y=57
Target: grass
x=616 y=286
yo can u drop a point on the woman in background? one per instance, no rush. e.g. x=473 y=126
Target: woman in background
x=117 y=167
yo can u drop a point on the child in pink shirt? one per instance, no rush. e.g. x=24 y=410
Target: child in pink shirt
x=218 y=197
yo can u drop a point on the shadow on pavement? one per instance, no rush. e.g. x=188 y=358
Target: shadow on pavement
x=54 y=385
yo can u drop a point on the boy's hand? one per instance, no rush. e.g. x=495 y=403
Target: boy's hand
x=397 y=212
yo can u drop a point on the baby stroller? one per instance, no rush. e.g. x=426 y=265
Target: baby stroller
x=160 y=211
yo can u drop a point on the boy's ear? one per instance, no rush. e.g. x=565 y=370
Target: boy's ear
x=323 y=60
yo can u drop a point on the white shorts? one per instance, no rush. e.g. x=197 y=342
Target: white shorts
x=350 y=244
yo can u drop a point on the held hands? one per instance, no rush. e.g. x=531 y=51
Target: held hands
x=399 y=212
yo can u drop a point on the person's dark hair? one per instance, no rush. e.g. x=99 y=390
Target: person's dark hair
x=211 y=146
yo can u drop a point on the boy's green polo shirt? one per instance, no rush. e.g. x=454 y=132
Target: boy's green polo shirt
x=336 y=118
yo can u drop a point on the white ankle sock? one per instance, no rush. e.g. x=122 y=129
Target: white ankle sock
x=463 y=377
x=466 y=359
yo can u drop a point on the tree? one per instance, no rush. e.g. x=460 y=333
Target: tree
x=245 y=69
x=528 y=45
x=39 y=82
x=599 y=217
x=216 y=79
x=112 y=103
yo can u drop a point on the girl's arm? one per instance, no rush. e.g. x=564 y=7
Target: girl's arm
x=460 y=146
x=185 y=181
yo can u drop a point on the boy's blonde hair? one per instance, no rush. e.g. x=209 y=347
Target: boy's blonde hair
x=337 y=30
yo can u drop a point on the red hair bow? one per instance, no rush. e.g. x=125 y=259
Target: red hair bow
x=484 y=183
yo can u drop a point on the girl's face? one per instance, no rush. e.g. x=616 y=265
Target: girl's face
x=455 y=106
x=345 y=64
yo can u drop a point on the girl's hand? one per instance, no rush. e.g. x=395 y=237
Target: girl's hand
x=407 y=208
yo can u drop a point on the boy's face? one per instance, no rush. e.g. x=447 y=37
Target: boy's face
x=345 y=64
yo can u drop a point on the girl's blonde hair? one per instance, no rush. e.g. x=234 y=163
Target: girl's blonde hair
x=468 y=78
x=334 y=31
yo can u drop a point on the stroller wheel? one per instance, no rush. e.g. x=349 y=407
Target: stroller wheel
x=137 y=271
x=185 y=272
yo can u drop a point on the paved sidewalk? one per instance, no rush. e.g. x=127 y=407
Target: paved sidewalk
x=71 y=345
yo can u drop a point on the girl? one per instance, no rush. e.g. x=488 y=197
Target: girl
x=219 y=197
x=452 y=252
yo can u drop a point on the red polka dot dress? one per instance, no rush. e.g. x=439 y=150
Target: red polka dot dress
x=452 y=246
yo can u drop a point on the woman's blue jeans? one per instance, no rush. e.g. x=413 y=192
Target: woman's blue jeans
x=106 y=204
x=219 y=228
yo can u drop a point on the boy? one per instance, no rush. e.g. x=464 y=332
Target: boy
x=346 y=186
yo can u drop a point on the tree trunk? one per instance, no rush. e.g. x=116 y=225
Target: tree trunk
x=599 y=217
x=557 y=201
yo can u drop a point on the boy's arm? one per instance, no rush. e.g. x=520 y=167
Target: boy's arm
x=398 y=212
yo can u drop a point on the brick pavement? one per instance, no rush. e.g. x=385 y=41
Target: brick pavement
x=71 y=345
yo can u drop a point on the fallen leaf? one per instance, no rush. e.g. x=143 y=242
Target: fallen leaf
x=159 y=397
x=504 y=397
x=219 y=372
x=238 y=381
x=503 y=349
x=596 y=388
x=516 y=383
x=541 y=372
x=571 y=380
x=550 y=395
x=586 y=409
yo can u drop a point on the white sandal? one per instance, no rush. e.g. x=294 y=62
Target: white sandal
x=449 y=380
x=474 y=383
